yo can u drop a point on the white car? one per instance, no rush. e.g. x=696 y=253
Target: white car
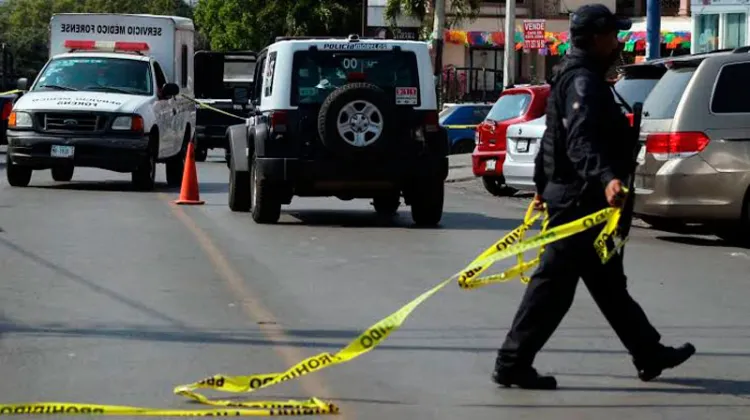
x=523 y=142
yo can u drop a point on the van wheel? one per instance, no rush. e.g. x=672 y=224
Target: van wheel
x=495 y=185
x=144 y=177
x=264 y=204
x=387 y=205
x=427 y=203
x=63 y=173
x=18 y=176
x=239 y=189
x=176 y=167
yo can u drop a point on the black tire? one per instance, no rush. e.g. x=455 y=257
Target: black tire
x=201 y=153
x=144 y=178
x=387 y=205
x=427 y=203
x=463 y=146
x=667 y=225
x=239 y=190
x=495 y=185
x=265 y=206
x=18 y=176
x=351 y=93
x=63 y=173
x=740 y=234
x=175 y=168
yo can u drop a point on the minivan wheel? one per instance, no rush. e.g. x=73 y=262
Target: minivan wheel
x=495 y=185
x=738 y=235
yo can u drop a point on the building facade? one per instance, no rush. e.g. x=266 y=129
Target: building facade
x=719 y=24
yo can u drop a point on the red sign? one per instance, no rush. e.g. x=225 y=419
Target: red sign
x=533 y=34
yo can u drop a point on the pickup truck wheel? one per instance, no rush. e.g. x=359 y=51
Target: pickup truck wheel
x=63 y=173
x=239 y=189
x=18 y=176
x=427 y=203
x=387 y=205
x=144 y=177
x=495 y=185
x=265 y=206
x=175 y=169
x=201 y=153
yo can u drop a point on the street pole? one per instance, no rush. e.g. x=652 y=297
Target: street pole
x=364 y=17
x=510 y=43
x=653 y=29
x=437 y=31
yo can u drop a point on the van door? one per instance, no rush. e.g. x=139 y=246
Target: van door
x=165 y=111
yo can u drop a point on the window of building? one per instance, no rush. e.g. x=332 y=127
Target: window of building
x=707 y=33
x=735 y=30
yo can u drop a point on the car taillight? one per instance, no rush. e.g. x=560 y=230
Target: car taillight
x=7 y=107
x=431 y=122
x=675 y=145
x=278 y=121
x=630 y=118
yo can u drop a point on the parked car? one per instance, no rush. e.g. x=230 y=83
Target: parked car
x=634 y=85
x=695 y=167
x=515 y=105
x=461 y=120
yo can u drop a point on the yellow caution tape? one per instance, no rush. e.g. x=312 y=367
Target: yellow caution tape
x=460 y=127
x=207 y=106
x=511 y=244
x=11 y=92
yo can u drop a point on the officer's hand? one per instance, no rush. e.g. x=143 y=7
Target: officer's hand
x=614 y=193
x=538 y=202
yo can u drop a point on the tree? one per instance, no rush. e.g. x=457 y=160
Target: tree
x=460 y=10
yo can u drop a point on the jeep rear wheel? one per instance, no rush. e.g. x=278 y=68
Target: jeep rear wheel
x=265 y=206
x=427 y=203
x=357 y=119
x=239 y=189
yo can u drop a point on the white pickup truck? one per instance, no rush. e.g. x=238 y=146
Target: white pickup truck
x=109 y=97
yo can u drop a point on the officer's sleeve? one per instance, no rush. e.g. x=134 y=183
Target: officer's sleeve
x=585 y=103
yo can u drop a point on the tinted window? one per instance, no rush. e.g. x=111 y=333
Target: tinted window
x=510 y=106
x=732 y=90
x=184 y=67
x=315 y=74
x=662 y=102
x=268 y=76
x=634 y=90
x=97 y=74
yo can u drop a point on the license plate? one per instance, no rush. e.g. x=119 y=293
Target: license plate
x=522 y=146
x=62 y=151
x=490 y=165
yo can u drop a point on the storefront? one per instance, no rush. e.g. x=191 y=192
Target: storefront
x=719 y=24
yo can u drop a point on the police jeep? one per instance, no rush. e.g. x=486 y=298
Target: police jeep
x=346 y=118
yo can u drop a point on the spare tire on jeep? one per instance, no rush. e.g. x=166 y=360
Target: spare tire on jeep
x=357 y=119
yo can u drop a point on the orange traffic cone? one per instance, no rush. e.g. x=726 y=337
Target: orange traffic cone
x=189 y=191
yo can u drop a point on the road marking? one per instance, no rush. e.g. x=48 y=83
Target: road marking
x=252 y=306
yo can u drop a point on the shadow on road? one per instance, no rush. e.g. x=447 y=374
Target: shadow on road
x=368 y=218
x=116 y=186
x=88 y=283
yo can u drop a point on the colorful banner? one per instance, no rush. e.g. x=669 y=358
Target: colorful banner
x=557 y=42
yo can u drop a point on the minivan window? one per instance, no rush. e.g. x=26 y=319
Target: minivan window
x=732 y=90
x=509 y=106
x=662 y=102
x=634 y=90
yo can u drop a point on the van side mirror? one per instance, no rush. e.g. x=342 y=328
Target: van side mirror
x=22 y=83
x=169 y=90
x=240 y=96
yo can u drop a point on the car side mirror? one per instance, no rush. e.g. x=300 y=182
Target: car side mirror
x=22 y=83
x=169 y=90
x=240 y=96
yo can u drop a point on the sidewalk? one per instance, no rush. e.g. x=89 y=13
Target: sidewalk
x=459 y=168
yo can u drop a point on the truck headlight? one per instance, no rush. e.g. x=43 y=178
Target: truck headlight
x=20 y=119
x=128 y=123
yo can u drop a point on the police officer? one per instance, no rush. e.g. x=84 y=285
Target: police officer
x=587 y=152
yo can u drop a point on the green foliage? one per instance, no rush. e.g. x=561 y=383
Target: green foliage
x=461 y=10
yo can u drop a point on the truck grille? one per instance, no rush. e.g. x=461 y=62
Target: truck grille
x=79 y=123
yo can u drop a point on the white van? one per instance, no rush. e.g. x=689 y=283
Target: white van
x=109 y=97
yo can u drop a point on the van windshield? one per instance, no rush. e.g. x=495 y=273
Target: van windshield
x=96 y=74
x=662 y=102
x=317 y=73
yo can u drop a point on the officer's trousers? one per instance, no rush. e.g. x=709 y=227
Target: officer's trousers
x=550 y=294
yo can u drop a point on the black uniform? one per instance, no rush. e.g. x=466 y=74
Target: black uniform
x=587 y=143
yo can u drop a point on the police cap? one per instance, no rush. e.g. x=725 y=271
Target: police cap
x=596 y=18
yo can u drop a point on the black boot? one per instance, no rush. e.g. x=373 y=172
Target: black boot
x=526 y=378
x=666 y=358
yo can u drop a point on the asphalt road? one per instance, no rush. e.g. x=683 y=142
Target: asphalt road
x=114 y=296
